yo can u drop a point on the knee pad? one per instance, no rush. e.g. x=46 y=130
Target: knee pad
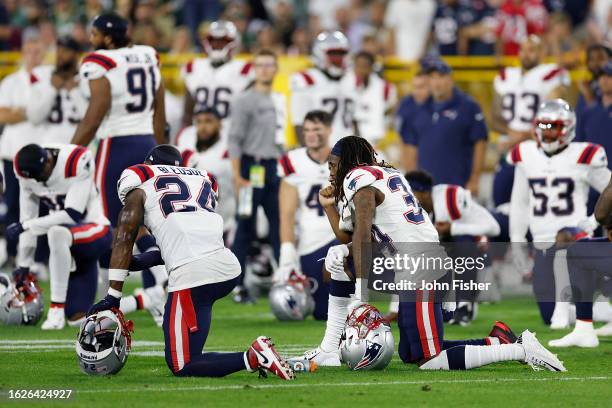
x=59 y=236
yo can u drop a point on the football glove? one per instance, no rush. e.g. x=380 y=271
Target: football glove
x=109 y=302
x=13 y=231
x=334 y=262
x=20 y=275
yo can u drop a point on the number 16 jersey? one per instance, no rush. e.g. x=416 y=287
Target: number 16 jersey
x=134 y=78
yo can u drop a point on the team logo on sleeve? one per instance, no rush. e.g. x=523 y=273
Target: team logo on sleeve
x=353 y=183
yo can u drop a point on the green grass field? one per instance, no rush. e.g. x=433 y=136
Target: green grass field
x=33 y=359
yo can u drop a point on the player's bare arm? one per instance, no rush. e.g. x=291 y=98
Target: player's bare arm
x=159 y=116
x=558 y=92
x=477 y=165
x=365 y=205
x=603 y=207
x=410 y=156
x=327 y=201
x=10 y=116
x=288 y=201
x=130 y=219
x=99 y=104
x=188 y=107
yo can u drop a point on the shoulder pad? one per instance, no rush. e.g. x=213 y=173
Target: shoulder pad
x=79 y=162
x=189 y=158
x=132 y=178
x=359 y=178
x=593 y=155
x=301 y=80
x=285 y=167
x=95 y=65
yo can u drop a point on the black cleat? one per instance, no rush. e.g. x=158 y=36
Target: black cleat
x=503 y=333
x=464 y=314
x=241 y=295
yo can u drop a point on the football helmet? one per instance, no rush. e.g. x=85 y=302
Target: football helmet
x=330 y=52
x=292 y=300
x=367 y=341
x=104 y=342
x=554 y=125
x=23 y=305
x=221 y=41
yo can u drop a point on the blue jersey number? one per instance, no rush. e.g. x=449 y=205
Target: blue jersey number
x=137 y=86
x=312 y=200
x=565 y=195
x=414 y=215
x=168 y=201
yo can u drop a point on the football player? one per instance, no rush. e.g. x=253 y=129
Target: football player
x=385 y=209
x=518 y=93
x=60 y=178
x=126 y=111
x=550 y=192
x=321 y=88
x=203 y=148
x=177 y=204
x=303 y=172
x=214 y=81
x=56 y=102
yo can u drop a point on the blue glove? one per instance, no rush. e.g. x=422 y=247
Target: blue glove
x=145 y=260
x=107 y=303
x=20 y=275
x=13 y=231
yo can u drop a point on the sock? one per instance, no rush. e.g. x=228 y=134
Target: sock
x=250 y=360
x=468 y=357
x=60 y=240
x=139 y=301
x=337 y=310
x=57 y=305
x=584 y=326
x=159 y=272
x=102 y=281
x=128 y=304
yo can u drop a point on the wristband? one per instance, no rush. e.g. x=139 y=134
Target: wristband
x=114 y=293
x=117 y=274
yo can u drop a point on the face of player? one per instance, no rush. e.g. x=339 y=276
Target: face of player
x=337 y=58
x=265 y=69
x=207 y=126
x=333 y=168
x=96 y=38
x=316 y=135
x=420 y=88
x=363 y=68
x=596 y=60
x=441 y=85
x=32 y=53
x=66 y=59
x=550 y=131
x=530 y=54
x=424 y=198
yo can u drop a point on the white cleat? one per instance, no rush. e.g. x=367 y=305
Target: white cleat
x=605 y=330
x=536 y=354
x=323 y=358
x=153 y=301
x=262 y=350
x=602 y=311
x=55 y=319
x=576 y=338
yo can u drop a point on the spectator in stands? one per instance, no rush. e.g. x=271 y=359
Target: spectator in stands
x=379 y=38
x=448 y=132
x=449 y=21
x=406 y=112
x=517 y=19
x=5 y=28
x=181 y=42
x=410 y=21
x=268 y=38
x=597 y=55
x=560 y=42
x=478 y=38
x=600 y=22
x=300 y=42
x=197 y=11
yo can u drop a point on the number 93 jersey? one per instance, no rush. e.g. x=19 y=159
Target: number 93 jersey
x=179 y=210
x=399 y=218
x=308 y=177
x=551 y=192
x=522 y=92
x=134 y=78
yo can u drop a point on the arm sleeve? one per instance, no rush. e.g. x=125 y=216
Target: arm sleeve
x=476 y=221
x=238 y=128
x=598 y=175
x=41 y=101
x=519 y=202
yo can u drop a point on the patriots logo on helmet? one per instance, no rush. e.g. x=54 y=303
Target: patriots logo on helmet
x=371 y=354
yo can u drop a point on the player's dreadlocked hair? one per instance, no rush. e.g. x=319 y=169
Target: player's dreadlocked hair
x=354 y=151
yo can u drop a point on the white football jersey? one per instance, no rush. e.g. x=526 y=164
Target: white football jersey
x=454 y=204
x=57 y=112
x=214 y=160
x=308 y=177
x=399 y=218
x=180 y=213
x=312 y=89
x=134 y=77
x=522 y=92
x=551 y=192
x=217 y=87
x=371 y=104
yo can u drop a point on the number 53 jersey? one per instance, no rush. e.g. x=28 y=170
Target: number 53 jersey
x=134 y=78
x=180 y=213
x=551 y=192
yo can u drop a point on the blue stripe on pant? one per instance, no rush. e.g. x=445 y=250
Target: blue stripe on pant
x=11 y=198
x=267 y=198
x=187 y=318
x=312 y=267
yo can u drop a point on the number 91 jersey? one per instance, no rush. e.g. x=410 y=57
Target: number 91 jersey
x=179 y=210
x=134 y=78
x=399 y=218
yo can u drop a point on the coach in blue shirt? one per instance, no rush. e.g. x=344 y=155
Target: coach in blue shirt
x=449 y=133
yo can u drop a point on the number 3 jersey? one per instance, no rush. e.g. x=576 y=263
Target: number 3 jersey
x=308 y=177
x=179 y=210
x=551 y=192
x=399 y=218
x=134 y=78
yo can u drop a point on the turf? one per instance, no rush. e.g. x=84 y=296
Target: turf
x=33 y=359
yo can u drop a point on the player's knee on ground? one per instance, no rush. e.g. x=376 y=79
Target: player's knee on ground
x=59 y=237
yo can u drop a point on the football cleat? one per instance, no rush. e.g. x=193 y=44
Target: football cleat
x=262 y=354
x=465 y=313
x=152 y=299
x=240 y=295
x=322 y=358
x=536 y=354
x=503 y=333
x=605 y=330
x=577 y=338
x=55 y=319
x=602 y=311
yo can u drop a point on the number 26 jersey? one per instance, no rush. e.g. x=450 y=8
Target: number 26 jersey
x=134 y=78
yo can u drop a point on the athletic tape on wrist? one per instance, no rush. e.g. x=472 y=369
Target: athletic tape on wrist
x=117 y=274
x=114 y=293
